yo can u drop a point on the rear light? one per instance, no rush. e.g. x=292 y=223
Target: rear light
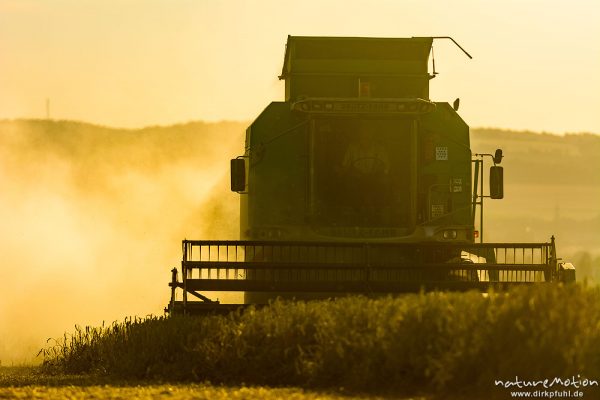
x=475 y=234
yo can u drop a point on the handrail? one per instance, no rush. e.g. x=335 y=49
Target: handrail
x=357 y=267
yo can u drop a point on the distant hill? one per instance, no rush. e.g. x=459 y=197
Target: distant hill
x=529 y=158
x=572 y=159
x=82 y=141
x=552 y=187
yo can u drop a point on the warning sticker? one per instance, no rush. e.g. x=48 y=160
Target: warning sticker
x=457 y=185
x=437 y=210
x=441 y=153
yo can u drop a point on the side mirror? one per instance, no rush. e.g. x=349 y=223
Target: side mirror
x=496 y=182
x=456 y=104
x=498 y=156
x=238 y=175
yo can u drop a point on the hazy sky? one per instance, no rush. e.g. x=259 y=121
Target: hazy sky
x=134 y=63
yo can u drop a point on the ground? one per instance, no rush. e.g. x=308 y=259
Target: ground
x=30 y=383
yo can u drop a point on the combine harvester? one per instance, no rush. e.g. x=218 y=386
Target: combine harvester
x=357 y=183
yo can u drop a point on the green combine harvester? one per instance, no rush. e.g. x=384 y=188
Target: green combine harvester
x=358 y=183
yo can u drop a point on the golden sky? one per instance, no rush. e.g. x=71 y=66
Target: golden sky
x=133 y=63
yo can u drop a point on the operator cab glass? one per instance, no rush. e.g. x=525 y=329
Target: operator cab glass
x=361 y=173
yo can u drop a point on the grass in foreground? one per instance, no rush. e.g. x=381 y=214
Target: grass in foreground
x=427 y=343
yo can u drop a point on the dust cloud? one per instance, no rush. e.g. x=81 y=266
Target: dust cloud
x=93 y=218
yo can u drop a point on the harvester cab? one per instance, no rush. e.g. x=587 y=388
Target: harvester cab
x=358 y=183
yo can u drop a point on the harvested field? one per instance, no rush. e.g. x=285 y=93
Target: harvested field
x=31 y=383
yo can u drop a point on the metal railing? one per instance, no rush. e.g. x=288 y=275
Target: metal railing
x=331 y=267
